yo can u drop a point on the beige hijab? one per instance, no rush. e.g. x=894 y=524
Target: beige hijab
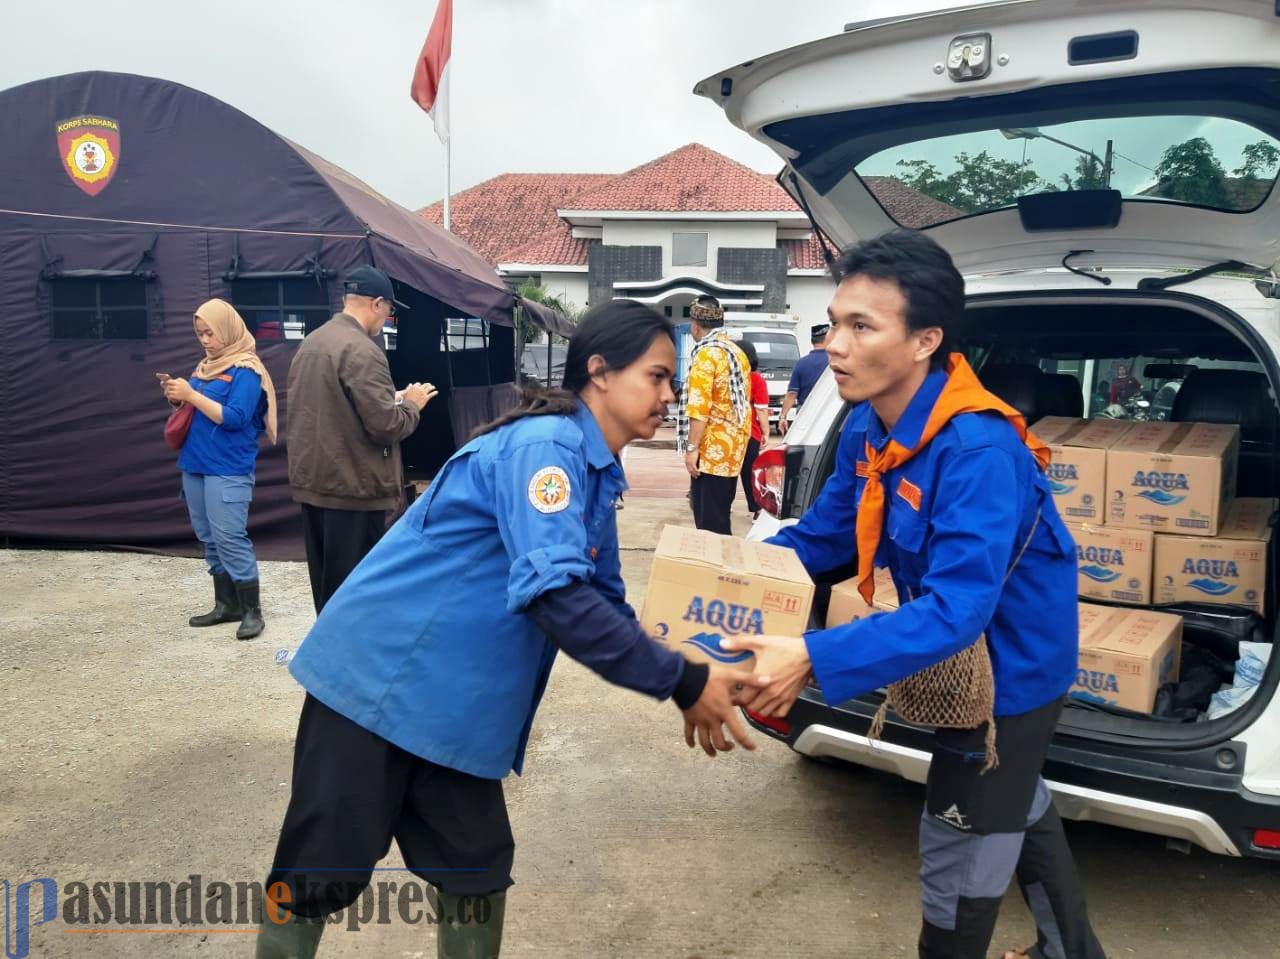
x=240 y=349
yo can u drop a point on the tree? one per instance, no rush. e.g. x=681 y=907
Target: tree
x=540 y=294
x=1190 y=172
x=978 y=183
x=1260 y=160
x=1088 y=175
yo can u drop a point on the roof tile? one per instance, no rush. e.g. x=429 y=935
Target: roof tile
x=512 y=218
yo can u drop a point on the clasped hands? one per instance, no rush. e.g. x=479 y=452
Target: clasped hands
x=782 y=669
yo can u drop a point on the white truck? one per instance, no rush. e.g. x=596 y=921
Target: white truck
x=774 y=338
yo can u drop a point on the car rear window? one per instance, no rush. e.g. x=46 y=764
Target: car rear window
x=1205 y=161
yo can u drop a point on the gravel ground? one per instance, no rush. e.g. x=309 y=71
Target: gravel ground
x=136 y=748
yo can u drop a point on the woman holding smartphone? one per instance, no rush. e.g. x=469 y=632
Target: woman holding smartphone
x=234 y=401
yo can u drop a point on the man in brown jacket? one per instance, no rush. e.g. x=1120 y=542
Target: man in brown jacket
x=343 y=431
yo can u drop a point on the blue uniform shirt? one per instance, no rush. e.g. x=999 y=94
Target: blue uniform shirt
x=229 y=448
x=427 y=643
x=971 y=498
x=806 y=373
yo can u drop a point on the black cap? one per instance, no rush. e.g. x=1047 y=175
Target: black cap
x=819 y=331
x=370 y=281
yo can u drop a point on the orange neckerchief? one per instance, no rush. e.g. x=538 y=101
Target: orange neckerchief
x=963 y=393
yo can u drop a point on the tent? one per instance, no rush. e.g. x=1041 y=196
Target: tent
x=125 y=202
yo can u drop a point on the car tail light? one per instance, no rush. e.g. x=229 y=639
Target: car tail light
x=1262 y=838
x=776 y=723
x=766 y=476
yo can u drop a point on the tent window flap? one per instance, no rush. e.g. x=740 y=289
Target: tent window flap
x=280 y=307
x=98 y=307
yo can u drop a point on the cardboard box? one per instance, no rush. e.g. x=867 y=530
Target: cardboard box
x=705 y=587
x=1077 y=471
x=1113 y=565
x=1126 y=655
x=1172 y=477
x=847 y=604
x=1229 y=568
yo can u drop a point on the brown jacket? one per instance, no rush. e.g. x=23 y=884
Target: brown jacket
x=343 y=427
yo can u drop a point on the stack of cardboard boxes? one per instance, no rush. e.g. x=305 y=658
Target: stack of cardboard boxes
x=1151 y=507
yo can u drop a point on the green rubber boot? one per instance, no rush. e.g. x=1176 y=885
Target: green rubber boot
x=299 y=938
x=473 y=939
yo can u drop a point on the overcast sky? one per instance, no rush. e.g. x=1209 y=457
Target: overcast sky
x=538 y=85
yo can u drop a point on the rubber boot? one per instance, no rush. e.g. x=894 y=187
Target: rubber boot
x=251 y=605
x=471 y=940
x=226 y=606
x=299 y=938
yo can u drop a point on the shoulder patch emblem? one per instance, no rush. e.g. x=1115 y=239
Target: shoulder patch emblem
x=549 y=490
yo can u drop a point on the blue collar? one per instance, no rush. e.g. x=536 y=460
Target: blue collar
x=598 y=453
x=906 y=432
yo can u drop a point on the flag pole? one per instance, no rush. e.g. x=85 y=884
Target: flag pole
x=430 y=87
x=448 y=175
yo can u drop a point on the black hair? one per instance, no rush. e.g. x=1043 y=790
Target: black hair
x=620 y=331
x=753 y=358
x=923 y=271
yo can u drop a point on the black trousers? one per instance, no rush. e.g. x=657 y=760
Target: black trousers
x=336 y=541
x=353 y=792
x=979 y=829
x=748 y=487
x=712 y=498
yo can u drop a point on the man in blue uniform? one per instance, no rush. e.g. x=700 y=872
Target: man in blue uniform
x=944 y=486
x=804 y=376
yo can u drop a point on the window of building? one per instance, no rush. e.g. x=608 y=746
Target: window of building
x=98 y=308
x=688 y=249
x=281 y=308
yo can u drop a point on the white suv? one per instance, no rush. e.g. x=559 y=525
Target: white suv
x=1103 y=175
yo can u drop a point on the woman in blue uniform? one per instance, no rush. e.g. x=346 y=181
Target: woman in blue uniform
x=425 y=669
x=234 y=402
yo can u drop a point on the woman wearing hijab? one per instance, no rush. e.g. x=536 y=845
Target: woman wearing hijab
x=234 y=400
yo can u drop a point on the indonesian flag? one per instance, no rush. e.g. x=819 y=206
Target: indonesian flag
x=430 y=89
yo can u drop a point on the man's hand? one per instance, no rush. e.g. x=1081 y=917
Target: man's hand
x=691 y=463
x=718 y=707
x=788 y=402
x=419 y=394
x=785 y=661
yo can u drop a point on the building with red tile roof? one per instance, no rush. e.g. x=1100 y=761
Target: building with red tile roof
x=692 y=221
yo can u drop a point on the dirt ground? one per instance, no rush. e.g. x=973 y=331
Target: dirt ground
x=137 y=748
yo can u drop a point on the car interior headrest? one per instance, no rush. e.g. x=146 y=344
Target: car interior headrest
x=1229 y=396
x=1018 y=384
x=1060 y=396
